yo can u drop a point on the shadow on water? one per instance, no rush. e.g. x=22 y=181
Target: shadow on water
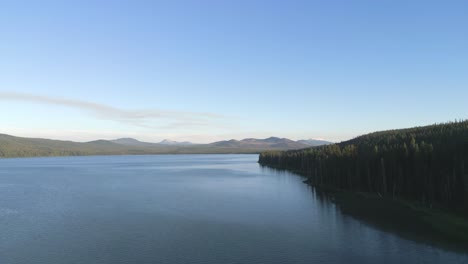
x=387 y=215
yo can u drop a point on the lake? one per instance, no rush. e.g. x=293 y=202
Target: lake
x=210 y=209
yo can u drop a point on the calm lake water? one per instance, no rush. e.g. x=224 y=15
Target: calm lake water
x=210 y=209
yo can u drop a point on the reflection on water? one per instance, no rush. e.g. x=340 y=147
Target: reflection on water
x=181 y=209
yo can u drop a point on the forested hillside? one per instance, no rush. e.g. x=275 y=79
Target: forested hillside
x=427 y=164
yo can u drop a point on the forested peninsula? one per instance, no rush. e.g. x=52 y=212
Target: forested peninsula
x=426 y=166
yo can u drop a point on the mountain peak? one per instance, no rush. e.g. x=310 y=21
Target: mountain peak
x=276 y=139
x=126 y=141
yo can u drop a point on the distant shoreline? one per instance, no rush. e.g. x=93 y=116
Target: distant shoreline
x=117 y=155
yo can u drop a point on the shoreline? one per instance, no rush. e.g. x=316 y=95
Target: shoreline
x=130 y=154
x=436 y=227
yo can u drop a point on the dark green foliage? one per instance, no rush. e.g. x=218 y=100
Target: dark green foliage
x=427 y=164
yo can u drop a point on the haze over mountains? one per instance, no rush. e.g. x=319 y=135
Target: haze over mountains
x=135 y=142
x=175 y=143
x=11 y=146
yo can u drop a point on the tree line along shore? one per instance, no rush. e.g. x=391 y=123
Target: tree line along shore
x=427 y=164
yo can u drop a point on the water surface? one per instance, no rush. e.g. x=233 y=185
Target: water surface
x=208 y=209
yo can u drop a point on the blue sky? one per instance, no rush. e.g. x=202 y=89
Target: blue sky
x=211 y=70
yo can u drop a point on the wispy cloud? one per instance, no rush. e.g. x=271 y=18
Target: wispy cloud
x=142 y=118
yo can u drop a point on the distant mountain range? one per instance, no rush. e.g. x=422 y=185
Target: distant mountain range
x=248 y=143
x=11 y=146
